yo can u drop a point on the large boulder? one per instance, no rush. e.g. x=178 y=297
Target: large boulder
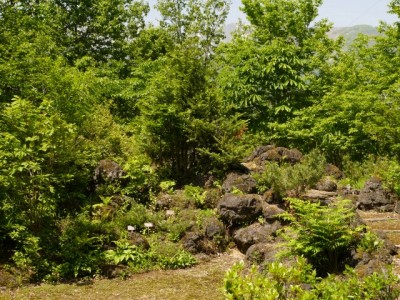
x=375 y=196
x=242 y=182
x=254 y=234
x=236 y=209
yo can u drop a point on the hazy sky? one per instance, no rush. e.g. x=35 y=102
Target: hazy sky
x=340 y=12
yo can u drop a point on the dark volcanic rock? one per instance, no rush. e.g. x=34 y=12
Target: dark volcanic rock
x=254 y=234
x=108 y=171
x=242 y=182
x=236 y=209
x=375 y=196
x=262 y=253
x=193 y=242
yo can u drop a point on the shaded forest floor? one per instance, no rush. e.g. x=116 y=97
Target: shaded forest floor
x=203 y=281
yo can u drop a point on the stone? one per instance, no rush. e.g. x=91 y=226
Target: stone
x=254 y=234
x=136 y=239
x=262 y=253
x=108 y=171
x=335 y=172
x=271 y=211
x=214 y=228
x=192 y=242
x=326 y=184
x=321 y=196
x=236 y=209
x=242 y=182
x=375 y=196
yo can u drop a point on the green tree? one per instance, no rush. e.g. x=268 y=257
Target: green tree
x=181 y=112
x=274 y=67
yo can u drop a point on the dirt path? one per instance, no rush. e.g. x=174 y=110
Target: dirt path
x=203 y=281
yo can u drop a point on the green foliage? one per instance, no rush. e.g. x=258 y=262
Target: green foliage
x=322 y=234
x=287 y=177
x=196 y=194
x=370 y=242
x=280 y=281
x=171 y=256
x=126 y=254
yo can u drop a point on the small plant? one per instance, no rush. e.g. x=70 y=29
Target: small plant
x=167 y=186
x=322 y=234
x=125 y=253
x=196 y=194
x=370 y=242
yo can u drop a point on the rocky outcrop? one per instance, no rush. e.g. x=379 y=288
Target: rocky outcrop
x=242 y=182
x=237 y=209
x=256 y=161
x=254 y=234
x=375 y=196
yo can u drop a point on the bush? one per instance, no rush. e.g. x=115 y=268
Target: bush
x=298 y=281
x=287 y=177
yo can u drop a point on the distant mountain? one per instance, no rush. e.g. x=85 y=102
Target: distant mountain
x=349 y=33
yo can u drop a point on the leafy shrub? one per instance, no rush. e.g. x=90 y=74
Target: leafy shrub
x=81 y=247
x=370 y=242
x=298 y=281
x=322 y=234
x=171 y=256
x=286 y=177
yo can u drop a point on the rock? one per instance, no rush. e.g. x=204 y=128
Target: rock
x=335 y=172
x=213 y=195
x=108 y=171
x=236 y=209
x=138 y=240
x=244 y=183
x=326 y=184
x=281 y=154
x=163 y=201
x=321 y=196
x=214 y=228
x=271 y=211
x=258 y=151
x=193 y=241
x=375 y=196
x=262 y=253
x=254 y=234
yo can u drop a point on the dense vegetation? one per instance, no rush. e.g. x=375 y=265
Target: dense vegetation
x=172 y=104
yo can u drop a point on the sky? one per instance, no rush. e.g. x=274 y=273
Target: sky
x=342 y=13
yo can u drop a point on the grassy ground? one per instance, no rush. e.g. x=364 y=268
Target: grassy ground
x=203 y=281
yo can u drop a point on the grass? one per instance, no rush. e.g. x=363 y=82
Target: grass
x=201 y=282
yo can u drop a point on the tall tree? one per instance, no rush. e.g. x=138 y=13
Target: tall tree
x=272 y=66
x=181 y=107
